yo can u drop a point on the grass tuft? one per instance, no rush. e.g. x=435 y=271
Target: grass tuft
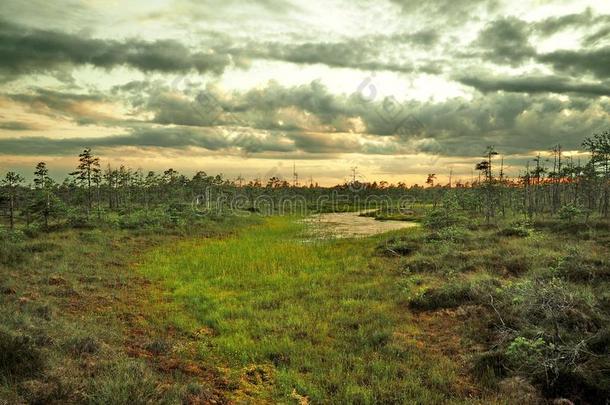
x=19 y=356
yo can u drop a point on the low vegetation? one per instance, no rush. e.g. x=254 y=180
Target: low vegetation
x=534 y=305
x=117 y=286
x=293 y=319
x=75 y=326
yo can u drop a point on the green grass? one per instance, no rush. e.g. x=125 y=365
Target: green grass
x=320 y=319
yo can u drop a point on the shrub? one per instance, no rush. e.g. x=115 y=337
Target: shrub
x=549 y=332
x=19 y=356
x=139 y=219
x=195 y=393
x=450 y=295
x=448 y=214
x=451 y=233
x=12 y=250
x=575 y=267
x=398 y=246
x=78 y=220
x=554 y=308
x=11 y=236
x=508 y=262
x=517 y=230
x=570 y=213
x=440 y=218
x=527 y=354
x=489 y=366
x=422 y=265
x=158 y=347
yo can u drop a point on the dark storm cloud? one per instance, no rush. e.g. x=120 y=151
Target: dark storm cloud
x=324 y=143
x=594 y=38
x=506 y=41
x=364 y=53
x=352 y=54
x=54 y=100
x=516 y=122
x=509 y=41
x=534 y=84
x=580 y=62
x=451 y=11
x=202 y=9
x=166 y=138
x=552 y=25
x=16 y=126
x=77 y=107
x=24 y=50
x=309 y=107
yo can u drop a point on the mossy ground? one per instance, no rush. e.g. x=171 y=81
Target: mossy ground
x=247 y=309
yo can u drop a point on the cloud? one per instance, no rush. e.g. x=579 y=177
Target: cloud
x=597 y=36
x=370 y=53
x=506 y=41
x=82 y=108
x=316 y=119
x=308 y=120
x=174 y=138
x=305 y=108
x=17 y=126
x=552 y=25
x=580 y=62
x=452 y=11
x=535 y=84
x=24 y=50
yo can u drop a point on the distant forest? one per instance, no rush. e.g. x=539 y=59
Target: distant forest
x=550 y=185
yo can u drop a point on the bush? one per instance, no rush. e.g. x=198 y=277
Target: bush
x=12 y=251
x=158 y=347
x=527 y=354
x=554 y=308
x=440 y=218
x=448 y=214
x=575 y=267
x=19 y=356
x=447 y=296
x=138 y=220
x=550 y=333
x=489 y=366
x=451 y=233
x=570 y=213
x=508 y=262
x=398 y=246
x=518 y=230
x=422 y=265
x=11 y=236
x=78 y=220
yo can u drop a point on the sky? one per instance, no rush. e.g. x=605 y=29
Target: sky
x=396 y=88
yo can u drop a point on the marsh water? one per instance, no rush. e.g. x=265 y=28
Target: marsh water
x=351 y=225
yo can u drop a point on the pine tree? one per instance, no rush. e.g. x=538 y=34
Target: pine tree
x=11 y=183
x=599 y=147
x=87 y=173
x=42 y=201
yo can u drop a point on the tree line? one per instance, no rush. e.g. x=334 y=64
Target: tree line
x=550 y=185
